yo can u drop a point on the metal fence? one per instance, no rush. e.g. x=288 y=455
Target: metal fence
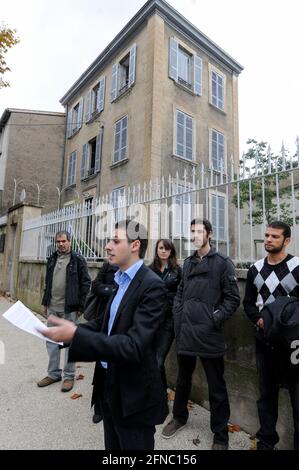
x=239 y=201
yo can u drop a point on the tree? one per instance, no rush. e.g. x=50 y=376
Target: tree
x=8 y=39
x=260 y=165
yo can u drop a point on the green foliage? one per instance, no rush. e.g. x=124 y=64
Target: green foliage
x=259 y=161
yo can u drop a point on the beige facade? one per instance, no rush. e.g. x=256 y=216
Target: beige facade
x=32 y=149
x=163 y=109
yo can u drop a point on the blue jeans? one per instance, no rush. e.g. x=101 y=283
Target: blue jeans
x=54 y=370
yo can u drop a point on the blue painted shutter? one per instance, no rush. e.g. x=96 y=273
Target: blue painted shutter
x=114 y=82
x=197 y=75
x=80 y=114
x=88 y=106
x=132 y=65
x=98 y=152
x=173 y=58
x=84 y=161
x=101 y=95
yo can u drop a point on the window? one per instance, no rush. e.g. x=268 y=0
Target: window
x=121 y=140
x=95 y=100
x=185 y=68
x=217 y=90
x=184 y=135
x=118 y=204
x=217 y=150
x=123 y=74
x=218 y=216
x=91 y=157
x=71 y=174
x=182 y=213
x=74 y=118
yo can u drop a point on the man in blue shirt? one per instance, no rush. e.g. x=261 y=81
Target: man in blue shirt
x=128 y=383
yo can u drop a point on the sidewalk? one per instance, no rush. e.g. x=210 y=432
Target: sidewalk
x=45 y=418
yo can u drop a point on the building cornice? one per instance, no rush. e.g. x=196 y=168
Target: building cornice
x=171 y=16
x=8 y=111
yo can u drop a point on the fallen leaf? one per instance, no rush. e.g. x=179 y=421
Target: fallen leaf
x=253 y=445
x=78 y=366
x=170 y=396
x=190 y=405
x=233 y=428
x=196 y=441
x=80 y=377
x=75 y=396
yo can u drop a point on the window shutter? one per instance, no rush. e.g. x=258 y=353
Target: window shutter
x=74 y=167
x=83 y=170
x=69 y=123
x=197 y=75
x=132 y=65
x=180 y=133
x=114 y=82
x=98 y=152
x=117 y=142
x=101 y=95
x=80 y=114
x=173 y=58
x=88 y=106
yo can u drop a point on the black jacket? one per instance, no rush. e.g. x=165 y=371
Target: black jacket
x=281 y=320
x=133 y=383
x=103 y=286
x=77 y=282
x=172 y=279
x=207 y=296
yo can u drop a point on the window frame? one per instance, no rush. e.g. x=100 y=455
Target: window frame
x=193 y=136
x=218 y=134
x=215 y=224
x=215 y=100
x=122 y=128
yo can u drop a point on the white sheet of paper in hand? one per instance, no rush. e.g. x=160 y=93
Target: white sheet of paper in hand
x=21 y=317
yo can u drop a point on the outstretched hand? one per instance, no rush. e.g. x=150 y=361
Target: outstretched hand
x=64 y=330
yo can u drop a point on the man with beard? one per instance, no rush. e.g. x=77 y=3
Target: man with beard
x=207 y=296
x=269 y=278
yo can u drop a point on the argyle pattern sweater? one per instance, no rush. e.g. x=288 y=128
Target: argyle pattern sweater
x=266 y=282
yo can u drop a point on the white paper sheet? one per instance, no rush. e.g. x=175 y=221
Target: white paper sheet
x=21 y=317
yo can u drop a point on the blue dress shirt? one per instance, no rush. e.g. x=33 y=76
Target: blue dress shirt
x=123 y=279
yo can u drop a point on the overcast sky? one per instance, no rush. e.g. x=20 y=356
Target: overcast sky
x=60 y=38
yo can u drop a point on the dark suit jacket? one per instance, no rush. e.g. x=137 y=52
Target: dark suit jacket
x=134 y=390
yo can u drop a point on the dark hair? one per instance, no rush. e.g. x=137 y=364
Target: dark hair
x=134 y=231
x=63 y=232
x=205 y=222
x=282 y=226
x=172 y=260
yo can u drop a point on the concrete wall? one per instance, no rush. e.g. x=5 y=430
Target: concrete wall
x=240 y=360
x=31 y=282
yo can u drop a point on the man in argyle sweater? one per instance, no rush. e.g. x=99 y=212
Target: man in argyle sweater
x=271 y=277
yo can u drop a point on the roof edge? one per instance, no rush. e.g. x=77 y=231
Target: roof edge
x=168 y=12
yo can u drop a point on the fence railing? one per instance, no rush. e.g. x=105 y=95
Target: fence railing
x=239 y=201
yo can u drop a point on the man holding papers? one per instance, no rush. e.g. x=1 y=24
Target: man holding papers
x=67 y=284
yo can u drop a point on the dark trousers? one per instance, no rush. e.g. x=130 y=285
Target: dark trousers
x=118 y=437
x=267 y=366
x=219 y=404
x=165 y=338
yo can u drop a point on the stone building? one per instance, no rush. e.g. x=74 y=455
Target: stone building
x=161 y=98
x=31 y=156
